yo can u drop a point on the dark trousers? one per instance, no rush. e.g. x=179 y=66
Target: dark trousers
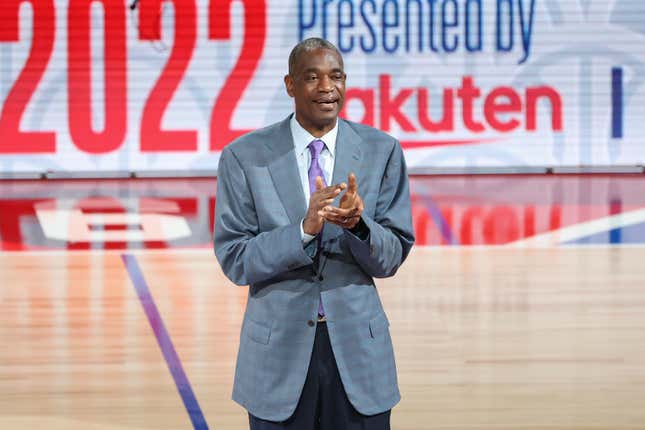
x=323 y=404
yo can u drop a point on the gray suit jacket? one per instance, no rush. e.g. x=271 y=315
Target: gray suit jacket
x=260 y=204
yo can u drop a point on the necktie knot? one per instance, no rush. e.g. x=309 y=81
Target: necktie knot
x=315 y=148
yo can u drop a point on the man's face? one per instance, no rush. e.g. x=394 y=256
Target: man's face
x=318 y=87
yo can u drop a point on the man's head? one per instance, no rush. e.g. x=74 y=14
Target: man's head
x=316 y=81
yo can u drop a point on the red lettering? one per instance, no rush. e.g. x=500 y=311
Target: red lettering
x=79 y=106
x=529 y=221
x=152 y=137
x=495 y=105
x=501 y=226
x=391 y=108
x=211 y=214
x=532 y=97
x=469 y=218
x=555 y=217
x=447 y=120
x=366 y=97
x=219 y=28
x=467 y=93
x=13 y=140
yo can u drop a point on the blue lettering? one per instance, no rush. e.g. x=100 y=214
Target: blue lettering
x=369 y=26
x=526 y=28
x=302 y=26
x=501 y=45
x=431 y=32
x=324 y=17
x=473 y=45
x=448 y=22
x=617 y=102
x=419 y=25
x=342 y=25
x=390 y=24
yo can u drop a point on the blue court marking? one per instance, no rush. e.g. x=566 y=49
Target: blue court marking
x=435 y=213
x=165 y=343
x=629 y=235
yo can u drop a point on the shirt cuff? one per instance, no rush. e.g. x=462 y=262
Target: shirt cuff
x=306 y=238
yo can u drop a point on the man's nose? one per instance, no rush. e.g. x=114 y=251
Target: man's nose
x=325 y=84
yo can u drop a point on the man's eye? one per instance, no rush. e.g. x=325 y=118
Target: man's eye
x=310 y=78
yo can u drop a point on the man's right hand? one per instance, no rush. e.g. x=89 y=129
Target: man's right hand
x=319 y=199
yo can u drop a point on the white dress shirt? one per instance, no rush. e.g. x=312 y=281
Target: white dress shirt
x=301 y=139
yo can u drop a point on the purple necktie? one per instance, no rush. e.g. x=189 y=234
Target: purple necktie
x=315 y=148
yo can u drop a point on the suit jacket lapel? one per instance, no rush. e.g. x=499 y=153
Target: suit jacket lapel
x=348 y=153
x=284 y=173
x=346 y=160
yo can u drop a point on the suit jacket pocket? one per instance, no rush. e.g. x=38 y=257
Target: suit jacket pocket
x=257 y=332
x=378 y=325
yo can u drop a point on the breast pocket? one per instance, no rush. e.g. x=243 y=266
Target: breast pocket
x=269 y=208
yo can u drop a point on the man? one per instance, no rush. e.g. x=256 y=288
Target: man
x=315 y=349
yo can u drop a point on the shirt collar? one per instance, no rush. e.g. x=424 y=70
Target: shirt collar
x=302 y=138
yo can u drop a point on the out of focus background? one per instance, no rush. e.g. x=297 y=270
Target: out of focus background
x=522 y=303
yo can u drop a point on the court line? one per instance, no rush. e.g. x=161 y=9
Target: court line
x=165 y=343
x=209 y=251
x=583 y=229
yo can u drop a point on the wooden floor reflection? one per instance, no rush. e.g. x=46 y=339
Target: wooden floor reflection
x=485 y=338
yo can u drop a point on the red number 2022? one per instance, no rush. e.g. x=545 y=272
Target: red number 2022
x=79 y=104
x=12 y=140
x=152 y=137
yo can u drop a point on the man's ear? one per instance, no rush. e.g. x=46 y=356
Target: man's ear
x=288 y=84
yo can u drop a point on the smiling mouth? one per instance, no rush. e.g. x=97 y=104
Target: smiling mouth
x=329 y=104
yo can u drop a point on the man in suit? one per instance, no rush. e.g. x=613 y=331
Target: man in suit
x=315 y=348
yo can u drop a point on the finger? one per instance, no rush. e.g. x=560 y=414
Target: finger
x=322 y=197
x=341 y=221
x=336 y=218
x=325 y=195
x=322 y=204
x=346 y=212
x=319 y=183
x=333 y=188
x=351 y=179
x=326 y=212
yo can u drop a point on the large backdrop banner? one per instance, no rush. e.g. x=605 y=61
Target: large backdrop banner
x=151 y=85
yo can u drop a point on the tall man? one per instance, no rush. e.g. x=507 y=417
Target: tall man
x=315 y=348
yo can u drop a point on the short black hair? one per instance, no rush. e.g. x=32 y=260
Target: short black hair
x=309 y=45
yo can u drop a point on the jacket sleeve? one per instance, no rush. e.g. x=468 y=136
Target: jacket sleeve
x=390 y=231
x=246 y=255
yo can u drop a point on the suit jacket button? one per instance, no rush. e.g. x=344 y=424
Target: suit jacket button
x=310 y=323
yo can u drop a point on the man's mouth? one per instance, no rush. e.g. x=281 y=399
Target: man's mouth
x=327 y=103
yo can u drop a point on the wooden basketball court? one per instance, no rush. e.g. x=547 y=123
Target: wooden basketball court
x=521 y=336
x=484 y=338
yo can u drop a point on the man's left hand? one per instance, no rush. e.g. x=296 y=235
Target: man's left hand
x=348 y=213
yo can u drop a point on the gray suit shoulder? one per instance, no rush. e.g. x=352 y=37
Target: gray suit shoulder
x=373 y=135
x=251 y=146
